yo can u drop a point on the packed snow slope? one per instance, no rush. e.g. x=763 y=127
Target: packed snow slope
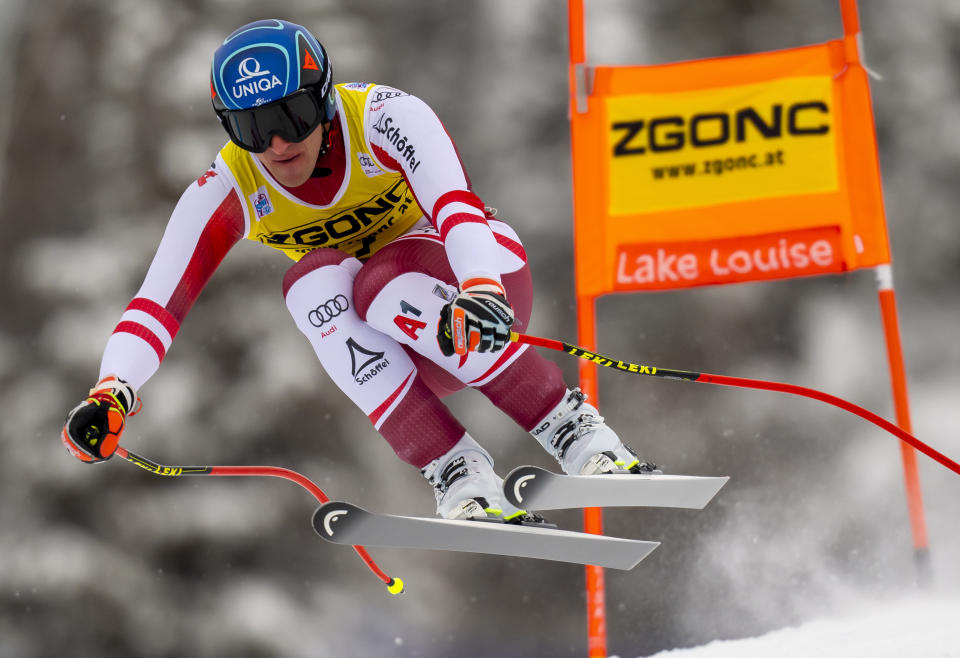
x=916 y=628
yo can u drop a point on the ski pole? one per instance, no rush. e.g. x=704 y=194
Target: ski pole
x=742 y=382
x=394 y=585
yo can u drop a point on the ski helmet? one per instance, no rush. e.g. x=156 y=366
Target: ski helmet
x=271 y=77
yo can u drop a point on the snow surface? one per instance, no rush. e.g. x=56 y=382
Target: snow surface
x=916 y=628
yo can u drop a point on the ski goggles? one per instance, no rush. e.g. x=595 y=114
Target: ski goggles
x=292 y=118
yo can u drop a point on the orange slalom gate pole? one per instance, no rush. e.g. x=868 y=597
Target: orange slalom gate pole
x=586 y=330
x=898 y=377
x=592 y=516
x=898 y=382
x=850 y=17
x=577 y=41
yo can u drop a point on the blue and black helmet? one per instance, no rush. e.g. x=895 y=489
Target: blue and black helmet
x=271 y=77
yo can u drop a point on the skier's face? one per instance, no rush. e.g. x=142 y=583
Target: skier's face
x=292 y=163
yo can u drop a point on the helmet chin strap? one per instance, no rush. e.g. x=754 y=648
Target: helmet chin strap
x=325 y=144
x=327 y=140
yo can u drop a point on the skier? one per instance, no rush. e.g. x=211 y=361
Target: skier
x=405 y=284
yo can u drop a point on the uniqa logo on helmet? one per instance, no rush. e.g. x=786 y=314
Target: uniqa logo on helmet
x=256 y=82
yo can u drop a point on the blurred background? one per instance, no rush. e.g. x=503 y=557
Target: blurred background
x=105 y=121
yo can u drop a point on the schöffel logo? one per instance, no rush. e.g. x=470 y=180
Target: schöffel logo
x=365 y=364
x=328 y=310
x=253 y=79
x=406 y=150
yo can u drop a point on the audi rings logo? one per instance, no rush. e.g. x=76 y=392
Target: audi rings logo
x=328 y=310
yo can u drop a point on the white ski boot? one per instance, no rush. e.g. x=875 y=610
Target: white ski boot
x=575 y=434
x=466 y=486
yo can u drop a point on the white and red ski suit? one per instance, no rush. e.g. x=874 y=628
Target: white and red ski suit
x=383 y=235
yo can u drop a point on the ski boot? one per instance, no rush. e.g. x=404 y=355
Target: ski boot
x=575 y=434
x=467 y=488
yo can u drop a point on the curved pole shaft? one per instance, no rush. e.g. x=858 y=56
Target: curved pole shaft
x=741 y=382
x=269 y=471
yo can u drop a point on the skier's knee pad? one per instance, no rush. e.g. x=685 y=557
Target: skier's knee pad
x=314 y=260
x=420 y=253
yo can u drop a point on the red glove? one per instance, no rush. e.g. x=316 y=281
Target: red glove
x=93 y=428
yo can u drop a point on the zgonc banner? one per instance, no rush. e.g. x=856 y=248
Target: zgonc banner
x=725 y=170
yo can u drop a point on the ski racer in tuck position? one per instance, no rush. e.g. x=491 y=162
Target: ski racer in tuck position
x=404 y=283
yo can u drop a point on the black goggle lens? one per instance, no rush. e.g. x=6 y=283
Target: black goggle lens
x=292 y=118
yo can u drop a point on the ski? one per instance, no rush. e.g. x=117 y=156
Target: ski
x=534 y=488
x=344 y=523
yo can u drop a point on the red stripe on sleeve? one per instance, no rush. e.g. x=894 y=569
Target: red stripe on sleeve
x=454 y=196
x=459 y=218
x=223 y=230
x=154 y=309
x=138 y=330
x=385 y=158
